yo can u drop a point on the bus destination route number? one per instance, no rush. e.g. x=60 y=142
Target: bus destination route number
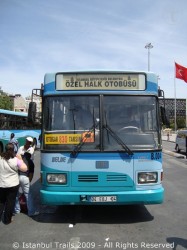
x=156 y=156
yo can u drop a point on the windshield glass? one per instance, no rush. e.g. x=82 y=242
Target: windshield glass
x=93 y=123
x=133 y=119
x=68 y=120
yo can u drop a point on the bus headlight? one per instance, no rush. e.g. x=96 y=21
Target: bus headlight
x=147 y=177
x=57 y=178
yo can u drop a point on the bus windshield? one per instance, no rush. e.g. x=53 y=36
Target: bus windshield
x=70 y=120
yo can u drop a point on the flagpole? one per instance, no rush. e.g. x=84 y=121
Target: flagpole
x=175 y=101
x=175 y=105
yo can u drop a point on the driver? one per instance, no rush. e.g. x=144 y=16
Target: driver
x=132 y=120
x=130 y=123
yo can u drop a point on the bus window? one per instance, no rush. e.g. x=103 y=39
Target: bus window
x=135 y=122
x=71 y=115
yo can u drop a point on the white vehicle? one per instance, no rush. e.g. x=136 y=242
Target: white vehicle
x=181 y=140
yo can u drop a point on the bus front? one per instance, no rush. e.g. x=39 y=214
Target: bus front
x=101 y=140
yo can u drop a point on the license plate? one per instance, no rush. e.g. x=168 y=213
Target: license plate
x=103 y=198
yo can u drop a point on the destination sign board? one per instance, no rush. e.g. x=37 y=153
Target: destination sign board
x=100 y=81
x=53 y=139
x=62 y=138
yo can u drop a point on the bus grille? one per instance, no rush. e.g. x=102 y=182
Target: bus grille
x=108 y=178
x=101 y=180
x=116 y=178
x=88 y=178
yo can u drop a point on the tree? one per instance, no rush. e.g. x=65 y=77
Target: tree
x=181 y=123
x=6 y=102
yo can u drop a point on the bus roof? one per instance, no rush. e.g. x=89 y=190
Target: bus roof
x=10 y=112
x=139 y=82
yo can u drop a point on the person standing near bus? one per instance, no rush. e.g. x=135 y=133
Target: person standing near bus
x=25 y=178
x=9 y=181
x=27 y=152
x=14 y=142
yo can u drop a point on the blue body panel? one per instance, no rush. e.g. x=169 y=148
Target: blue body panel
x=84 y=179
x=20 y=136
x=123 y=197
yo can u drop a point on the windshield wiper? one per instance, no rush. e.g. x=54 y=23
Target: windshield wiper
x=117 y=139
x=77 y=149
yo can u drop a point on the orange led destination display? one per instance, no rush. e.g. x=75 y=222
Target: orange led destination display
x=100 y=82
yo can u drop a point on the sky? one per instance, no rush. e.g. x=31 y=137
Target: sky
x=44 y=36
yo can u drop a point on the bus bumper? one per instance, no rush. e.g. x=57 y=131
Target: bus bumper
x=93 y=198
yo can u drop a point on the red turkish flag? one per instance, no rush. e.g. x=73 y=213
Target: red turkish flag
x=181 y=72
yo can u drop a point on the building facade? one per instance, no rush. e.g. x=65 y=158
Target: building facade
x=181 y=110
x=21 y=104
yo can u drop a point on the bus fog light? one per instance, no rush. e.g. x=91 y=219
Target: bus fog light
x=147 y=177
x=57 y=178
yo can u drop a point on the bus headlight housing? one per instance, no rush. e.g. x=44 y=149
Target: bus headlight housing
x=147 y=177
x=57 y=178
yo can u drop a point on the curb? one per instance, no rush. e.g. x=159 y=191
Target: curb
x=168 y=141
x=173 y=154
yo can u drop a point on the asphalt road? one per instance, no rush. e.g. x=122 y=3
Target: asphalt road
x=106 y=227
x=169 y=146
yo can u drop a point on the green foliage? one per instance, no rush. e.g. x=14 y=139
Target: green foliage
x=6 y=102
x=172 y=125
x=181 y=123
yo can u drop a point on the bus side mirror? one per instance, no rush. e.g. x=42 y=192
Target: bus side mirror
x=32 y=112
x=163 y=116
x=160 y=93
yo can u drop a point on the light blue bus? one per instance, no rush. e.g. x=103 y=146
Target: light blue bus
x=101 y=139
x=17 y=123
